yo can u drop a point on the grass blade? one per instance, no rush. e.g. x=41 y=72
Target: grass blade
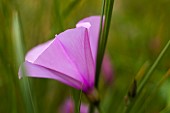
x=77 y=100
x=18 y=48
x=149 y=73
x=146 y=78
x=103 y=35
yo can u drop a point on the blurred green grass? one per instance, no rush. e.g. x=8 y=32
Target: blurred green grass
x=139 y=30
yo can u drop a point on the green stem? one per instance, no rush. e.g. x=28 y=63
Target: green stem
x=154 y=91
x=18 y=48
x=146 y=78
x=98 y=51
x=107 y=7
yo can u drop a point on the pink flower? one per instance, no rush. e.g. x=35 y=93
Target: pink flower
x=68 y=107
x=108 y=70
x=69 y=58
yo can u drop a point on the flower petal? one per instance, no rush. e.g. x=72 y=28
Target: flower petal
x=68 y=54
x=76 y=44
x=89 y=61
x=36 y=52
x=93 y=25
x=54 y=57
x=33 y=70
x=70 y=57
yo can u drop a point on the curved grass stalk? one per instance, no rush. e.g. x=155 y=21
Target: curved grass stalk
x=18 y=48
x=146 y=78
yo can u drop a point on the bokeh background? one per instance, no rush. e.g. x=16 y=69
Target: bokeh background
x=139 y=30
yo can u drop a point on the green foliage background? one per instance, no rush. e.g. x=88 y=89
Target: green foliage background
x=139 y=30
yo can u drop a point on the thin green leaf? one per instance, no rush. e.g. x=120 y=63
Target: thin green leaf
x=99 y=43
x=103 y=35
x=146 y=78
x=153 y=92
x=149 y=73
x=77 y=99
x=18 y=48
x=107 y=7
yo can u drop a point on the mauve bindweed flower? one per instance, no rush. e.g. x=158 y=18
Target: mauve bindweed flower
x=69 y=58
x=68 y=107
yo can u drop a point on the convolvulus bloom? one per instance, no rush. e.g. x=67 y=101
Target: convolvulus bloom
x=69 y=58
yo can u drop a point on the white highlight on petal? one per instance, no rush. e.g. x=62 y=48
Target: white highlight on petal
x=84 y=24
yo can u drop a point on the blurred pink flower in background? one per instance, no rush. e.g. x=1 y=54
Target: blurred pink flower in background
x=69 y=58
x=108 y=70
x=68 y=107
